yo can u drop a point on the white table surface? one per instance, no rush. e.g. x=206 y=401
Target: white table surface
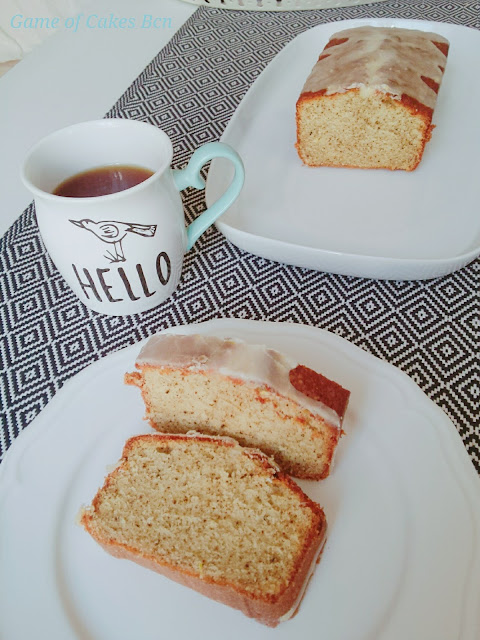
x=72 y=77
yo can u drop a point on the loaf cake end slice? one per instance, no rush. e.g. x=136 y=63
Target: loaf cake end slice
x=246 y=391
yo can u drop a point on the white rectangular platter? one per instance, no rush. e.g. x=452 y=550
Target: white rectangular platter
x=370 y=223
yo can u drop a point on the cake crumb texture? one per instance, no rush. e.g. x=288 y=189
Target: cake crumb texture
x=288 y=411
x=213 y=516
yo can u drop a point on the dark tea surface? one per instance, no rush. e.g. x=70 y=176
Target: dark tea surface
x=101 y=181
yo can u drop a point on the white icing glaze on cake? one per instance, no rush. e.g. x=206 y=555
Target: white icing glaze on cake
x=385 y=59
x=291 y=612
x=233 y=358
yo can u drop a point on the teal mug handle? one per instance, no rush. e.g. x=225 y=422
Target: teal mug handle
x=190 y=177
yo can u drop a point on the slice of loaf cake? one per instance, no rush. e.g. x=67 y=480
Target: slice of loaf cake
x=248 y=392
x=214 y=517
x=369 y=99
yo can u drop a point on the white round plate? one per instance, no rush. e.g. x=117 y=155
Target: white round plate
x=402 y=554
x=370 y=223
x=279 y=5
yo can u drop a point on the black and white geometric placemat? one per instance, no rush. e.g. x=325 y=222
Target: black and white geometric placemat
x=430 y=329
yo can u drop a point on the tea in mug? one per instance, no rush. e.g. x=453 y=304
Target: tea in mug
x=102 y=181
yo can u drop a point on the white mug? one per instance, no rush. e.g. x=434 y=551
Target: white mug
x=121 y=253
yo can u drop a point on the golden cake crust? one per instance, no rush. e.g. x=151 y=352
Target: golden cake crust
x=389 y=60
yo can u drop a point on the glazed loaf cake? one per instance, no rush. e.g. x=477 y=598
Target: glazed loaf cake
x=248 y=392
x=214 y=517
x=369 y=99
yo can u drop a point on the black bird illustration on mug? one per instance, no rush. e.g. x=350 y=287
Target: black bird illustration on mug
x=113 y=233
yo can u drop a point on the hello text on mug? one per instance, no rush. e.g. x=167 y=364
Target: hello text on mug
x=114 y=283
